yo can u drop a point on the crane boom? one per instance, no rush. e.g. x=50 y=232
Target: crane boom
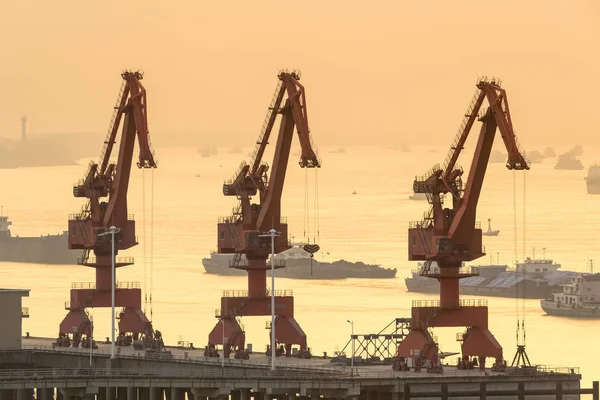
x=294 y=113
x=134 y=124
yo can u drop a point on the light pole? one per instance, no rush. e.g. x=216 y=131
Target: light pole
x=91 y=338
x=223 y=341
x=112 y=231
x=272 y=233
x=352 y=338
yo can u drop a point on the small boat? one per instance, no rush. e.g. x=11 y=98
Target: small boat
x=417 y=196
x=489 y=231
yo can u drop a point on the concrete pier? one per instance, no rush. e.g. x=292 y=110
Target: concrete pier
x=35 y=374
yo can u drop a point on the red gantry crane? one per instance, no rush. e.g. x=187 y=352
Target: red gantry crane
x=450 y=236
x=111 y=180
x=241 y=232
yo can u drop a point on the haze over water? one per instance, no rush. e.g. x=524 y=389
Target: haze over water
x=370 y=226
x=376 y=73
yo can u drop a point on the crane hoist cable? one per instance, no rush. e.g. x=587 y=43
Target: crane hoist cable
x=316 y=211
x=306 y=209
x=151 y=239
x=520 y=295
x=144 y=244
x=517 y=294
x=524 y=250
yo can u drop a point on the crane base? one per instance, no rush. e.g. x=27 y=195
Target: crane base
x=76 y=323
x=287 y=330
x=477 y=341
x=133 y=326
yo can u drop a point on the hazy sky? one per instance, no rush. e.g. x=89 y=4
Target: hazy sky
x=377 y=71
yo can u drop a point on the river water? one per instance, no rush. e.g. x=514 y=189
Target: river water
x=370 y=226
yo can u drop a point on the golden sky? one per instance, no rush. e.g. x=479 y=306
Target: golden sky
x=375 y=71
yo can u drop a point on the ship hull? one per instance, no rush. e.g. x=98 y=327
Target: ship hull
x=303 y=270
x=51 y=249
x=424 y=286
x=552 y=308
x=593 y=187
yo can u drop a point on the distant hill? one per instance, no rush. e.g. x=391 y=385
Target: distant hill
x=47 y=150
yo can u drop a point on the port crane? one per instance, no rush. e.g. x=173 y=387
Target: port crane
x=242 y=232
x=450 y=236
x=110 y=180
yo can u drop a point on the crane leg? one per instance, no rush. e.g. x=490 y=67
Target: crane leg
x=418 y=345
x=288 y=332
x=481 y=343
x=77 y=323
x=235 y=337
x=133 y=321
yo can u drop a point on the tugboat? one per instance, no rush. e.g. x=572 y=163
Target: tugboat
x=593 y=179
x=489 y=231
x=579 y=299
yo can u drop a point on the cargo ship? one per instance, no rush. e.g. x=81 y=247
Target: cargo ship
x=578 y=299
x=568 y=161
x=593 y=179
x=300 y=265
x=49 y=249
x=532 y=279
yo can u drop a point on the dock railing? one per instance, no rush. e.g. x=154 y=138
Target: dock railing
x=92 y=285
x=231 y=362
x=244 y=293
x=450 y=303
x=284 y=371
x=236 y=373
x=339 y=372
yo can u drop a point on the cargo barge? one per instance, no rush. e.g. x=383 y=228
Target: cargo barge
x=532 y=279
x=48 y=249
x=300 y=265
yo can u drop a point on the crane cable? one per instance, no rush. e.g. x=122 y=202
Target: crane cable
x=151 y=239
x=148 y=288
x=306 y=209
x=524 y=250
x=316 y=216
x=315 y=222
x=144 y=239
x=516 y=252
x=520 y=295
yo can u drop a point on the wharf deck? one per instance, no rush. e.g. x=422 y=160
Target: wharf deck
x=67 y=372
